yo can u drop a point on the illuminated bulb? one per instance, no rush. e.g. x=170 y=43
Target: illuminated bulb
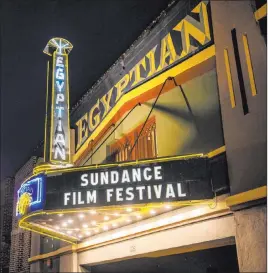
x=116 y=214
x=167 y=207
x=64 y=224
x=105 y=228
x=114 y=225
x=92 y=212
x=85 y=226
x=80 y=236
x=138 y=216
x=106 y=218
x=70 y=221
x=81 y=216
x=88 y=233
x=179 y=217
x=50 y=220
x=69 y=232
x=93 y=223
x=196 y=212
x=129 y=209
x=152 y=211
x=77 y=229
x=60 y=215
x=128 y=220
x=57 y=227
x=96 y=230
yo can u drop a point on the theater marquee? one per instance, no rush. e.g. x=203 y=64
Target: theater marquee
x=172 y=181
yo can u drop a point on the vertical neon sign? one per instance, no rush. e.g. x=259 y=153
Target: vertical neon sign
x=59 y=142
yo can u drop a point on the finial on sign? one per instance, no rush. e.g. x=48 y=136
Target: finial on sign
x=61 y=45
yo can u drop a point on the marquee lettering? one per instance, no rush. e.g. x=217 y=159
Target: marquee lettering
x=199 y=30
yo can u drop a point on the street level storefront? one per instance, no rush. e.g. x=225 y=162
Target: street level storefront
x=163 y=156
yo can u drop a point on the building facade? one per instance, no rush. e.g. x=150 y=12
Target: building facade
x=166 y=154
x=20 y=239
x=6 y=222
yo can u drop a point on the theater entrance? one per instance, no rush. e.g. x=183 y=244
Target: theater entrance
x=213 y=260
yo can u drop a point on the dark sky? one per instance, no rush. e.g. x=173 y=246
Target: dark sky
x=100 y=30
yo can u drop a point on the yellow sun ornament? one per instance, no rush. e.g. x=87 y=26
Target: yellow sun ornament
x=24 y=203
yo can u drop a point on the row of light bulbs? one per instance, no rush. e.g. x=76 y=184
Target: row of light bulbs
x=94 y=223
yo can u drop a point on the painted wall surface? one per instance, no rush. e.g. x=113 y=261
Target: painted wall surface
x=178 y=132
x=251 y=249
x=245 y=135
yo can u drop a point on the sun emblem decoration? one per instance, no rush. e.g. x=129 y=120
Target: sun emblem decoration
x=24 y=203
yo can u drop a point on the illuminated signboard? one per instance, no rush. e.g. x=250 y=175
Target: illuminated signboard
x=179 y=180
x=59 y=143
x=184 y=32
x=30 y=196
x=60 y=121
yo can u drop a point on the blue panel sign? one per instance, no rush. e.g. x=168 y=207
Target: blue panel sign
x=31 y=196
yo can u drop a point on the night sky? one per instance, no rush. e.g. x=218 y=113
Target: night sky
x=100 y=31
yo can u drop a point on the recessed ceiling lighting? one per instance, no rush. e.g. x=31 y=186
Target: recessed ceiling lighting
x=92 y=212
x=50 y=220
x=96 y=230
x=138 y=216
x=129 y=209
x=64 y=224
x=81 y=216
x=88 y=233
x=70 y=221
x=60 y=215
x=57 y=227
x=116 y=214
x=114 y=224
x=128 y=220
x=94 y=223
x=105 y=227
x=106 y=218
x=167 y=207
x=77 y=229
x=152 y=211
x=85 y=226
x=80 y=236
x=69 y=232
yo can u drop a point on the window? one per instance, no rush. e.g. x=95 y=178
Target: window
x=145 y=147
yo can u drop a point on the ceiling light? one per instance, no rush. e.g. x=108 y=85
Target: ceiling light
x=88 y=233
x=96 y=230
x=138 y=216
x=116 y=214
x=77 y=229
x=81 y=216
x=43 y=223
x=105 y=228
x=64 y=224
x=152 y=211
x=114 y=224
x=129 y=209
x=92 y=212
x=129 y=220
x=167 y=207
x=85 y=226
x=80 y=236
x=106 y=217
x=57 y=227
x=50 y=220
x=60 y=215
x=69 y=232
x=70 y=221
x=94 y=223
